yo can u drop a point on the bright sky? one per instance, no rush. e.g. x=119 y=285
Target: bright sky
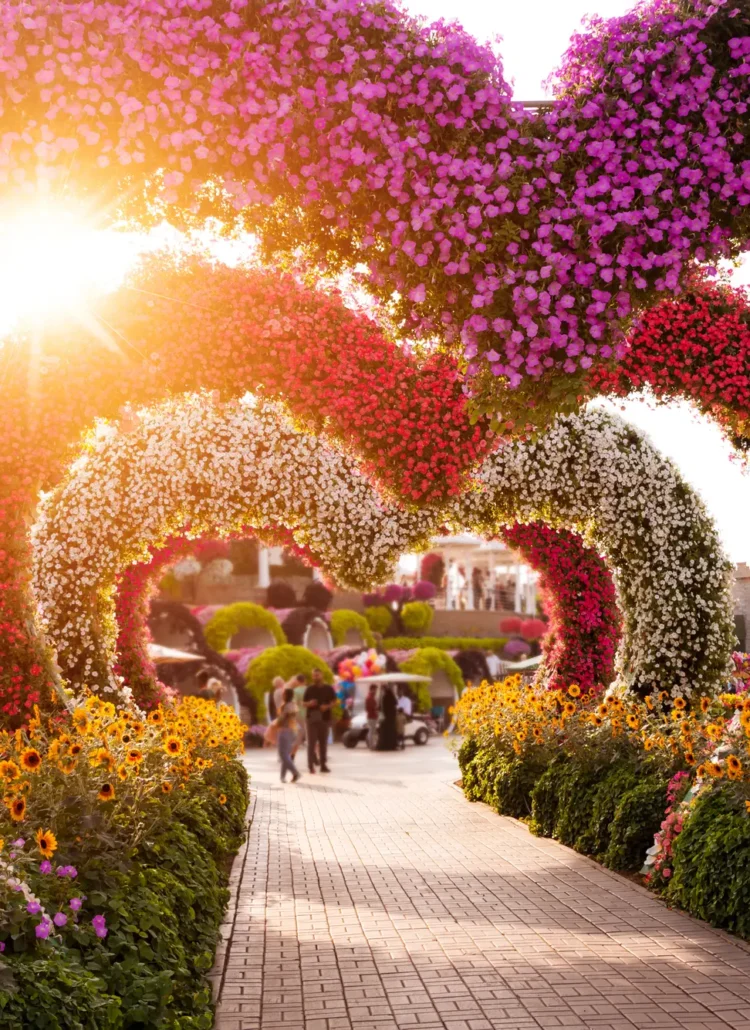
x=535 y=36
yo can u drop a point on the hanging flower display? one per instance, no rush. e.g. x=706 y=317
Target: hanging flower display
x=524 y=238
x=599 y=476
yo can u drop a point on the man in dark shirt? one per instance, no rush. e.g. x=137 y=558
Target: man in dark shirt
x=319 y=700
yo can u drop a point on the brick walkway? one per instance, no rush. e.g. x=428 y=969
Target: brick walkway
x=377 y=898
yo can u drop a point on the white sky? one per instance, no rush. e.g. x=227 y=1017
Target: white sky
x=535 y=35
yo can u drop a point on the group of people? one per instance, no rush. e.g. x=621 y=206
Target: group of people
x=303 y=713
x=387 y=717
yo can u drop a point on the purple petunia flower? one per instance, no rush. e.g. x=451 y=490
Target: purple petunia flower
x=100 y=926
x=33 y=908
x=45 y=867
x=60 y=919
x=42 y=929
x=2 y=947
x=76 y=904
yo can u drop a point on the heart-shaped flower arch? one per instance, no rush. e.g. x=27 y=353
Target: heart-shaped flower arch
x=218 y=470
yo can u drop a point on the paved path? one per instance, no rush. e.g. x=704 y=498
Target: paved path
x=377 y=898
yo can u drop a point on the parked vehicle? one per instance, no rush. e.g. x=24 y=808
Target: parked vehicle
x=416 y=730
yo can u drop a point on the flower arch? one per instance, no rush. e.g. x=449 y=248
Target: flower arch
x=599 y=476
x=524 y=238
x=215 y=469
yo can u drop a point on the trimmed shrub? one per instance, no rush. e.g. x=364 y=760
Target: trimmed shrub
x=242 y=615
x=425 y=662
x=417 y=616
x=285 y=661
x=280 y=595
x=379 y=617
x=317 y=595
x=344 y=620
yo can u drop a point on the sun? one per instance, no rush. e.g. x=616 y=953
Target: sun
x=54 y=262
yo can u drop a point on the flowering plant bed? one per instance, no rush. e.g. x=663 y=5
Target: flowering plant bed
x=117 y=832
x=607 y=776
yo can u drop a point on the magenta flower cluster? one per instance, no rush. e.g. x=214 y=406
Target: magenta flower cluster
x=526 y=239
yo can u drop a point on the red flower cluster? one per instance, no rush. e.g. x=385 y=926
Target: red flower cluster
x=579 y=597
x=696 y=347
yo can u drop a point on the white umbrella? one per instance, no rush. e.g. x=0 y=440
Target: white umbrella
x=162 y=655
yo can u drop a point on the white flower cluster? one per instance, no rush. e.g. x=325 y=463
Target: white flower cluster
x=599 y=476
x=203 y=470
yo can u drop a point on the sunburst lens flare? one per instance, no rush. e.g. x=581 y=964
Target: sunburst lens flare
x=53 y=263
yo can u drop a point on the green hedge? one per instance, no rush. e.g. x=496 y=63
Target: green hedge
x=228 y=621
x=445 y=643
x=711 y=862
x=343 y=619
x=163 y=906
x=610 y=812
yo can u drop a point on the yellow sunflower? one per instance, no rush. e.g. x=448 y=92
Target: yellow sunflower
x=574 y=690
x=166 y=787
x=31 y=760
x=156 y=718
x=106 y=792
x=134 y=756
x=222 y=799
x=17 y=809
x=173 y=745
x=680 y=703
x=122 y=771
x=734 y=767
x=9 y=770
x=46 y=841
x=67 y=765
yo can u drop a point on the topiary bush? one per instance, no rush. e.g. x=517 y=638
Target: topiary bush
x=417 y=616
x=243 y=615
x=317 y=595
x=425 y=662
x=343 y=620
x=380 y=618
x=285 y=661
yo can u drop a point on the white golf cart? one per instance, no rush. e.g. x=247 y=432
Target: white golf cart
x=415 y=730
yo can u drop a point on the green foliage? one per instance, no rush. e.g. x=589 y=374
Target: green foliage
x=285 y=661
x=380 y=618
x=417 y=616
x=426 y=662
x=445 y=643
x=163 y=904
x=343 y=620
x=711 y=863
x=505 y=784
x=243 y=615
x=55 y=992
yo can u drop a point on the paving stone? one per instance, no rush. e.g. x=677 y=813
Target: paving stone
x=378 y=898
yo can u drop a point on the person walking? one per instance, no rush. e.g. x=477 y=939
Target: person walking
x=287 y=739
x=372 y=711
x=319 y=700
x=277 y=694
